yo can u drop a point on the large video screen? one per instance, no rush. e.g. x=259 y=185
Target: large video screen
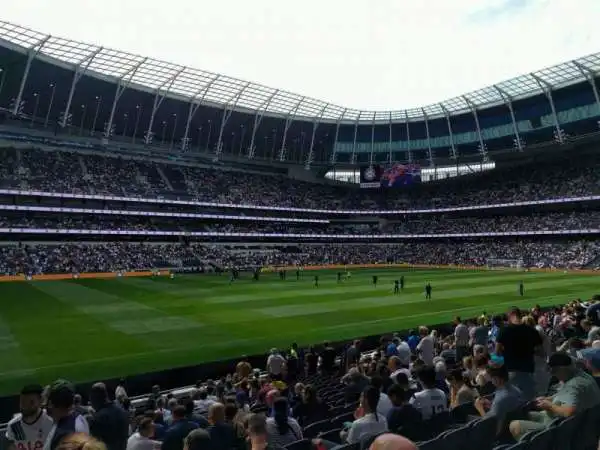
x=398 y=175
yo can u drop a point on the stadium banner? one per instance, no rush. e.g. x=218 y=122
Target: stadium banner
x=89 y=275
x=373 y=212
x=273 y=269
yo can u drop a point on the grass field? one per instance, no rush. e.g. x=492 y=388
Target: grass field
x=93 y=329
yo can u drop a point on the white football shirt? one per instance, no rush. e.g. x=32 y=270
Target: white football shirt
x=430 y=402
x=29 y=436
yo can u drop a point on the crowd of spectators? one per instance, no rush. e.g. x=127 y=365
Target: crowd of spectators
x=531 y=376
x=433 y=225
x=62 y=171
x=122 y=256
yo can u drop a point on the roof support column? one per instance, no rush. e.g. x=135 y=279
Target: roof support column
x=227 y=111
x=185 y=141
x=80 y=70
x=590 y=76
x=429 y=149
x=288 y=122
x=482 y=146
x=372 y=141
x=508 y=99
x=316 y=122
x=390 y=141
x=408 y=150
x=335 y=140
x=353 y=156
x=547 y=88
x=159 y=97
x=453 y=153
x=123 y=84
x=258 y=117
x=31 y=54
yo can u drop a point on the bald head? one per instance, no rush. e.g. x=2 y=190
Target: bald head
x=390 y=441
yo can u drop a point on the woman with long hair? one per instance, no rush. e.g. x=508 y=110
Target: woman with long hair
x=281 y=428
x=310 y=409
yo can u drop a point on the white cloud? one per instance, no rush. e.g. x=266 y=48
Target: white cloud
x=381 y=54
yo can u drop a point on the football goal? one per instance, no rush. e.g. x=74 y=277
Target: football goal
x=503 y=264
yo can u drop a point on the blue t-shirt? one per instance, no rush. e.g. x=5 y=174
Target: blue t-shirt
x=391 y=350
x=413 y=341
x=507 y=399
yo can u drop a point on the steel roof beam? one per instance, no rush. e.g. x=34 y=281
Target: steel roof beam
x=482 y=146
x=547 y=89
x=32 y=52
x=159 y=97
x=310 y=156
x=80 y=70
x=192 y=111
x=353 y=156
x=429 y=149
x=453 y=152
x=508 y=100
x=258 y=116
x=122 y=84
x=337 y=132
x=288 y=122
x=227 y=111
x=590 y=75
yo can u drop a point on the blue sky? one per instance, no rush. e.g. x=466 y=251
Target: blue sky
x=377 y=54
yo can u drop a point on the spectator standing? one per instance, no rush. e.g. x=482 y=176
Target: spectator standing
x=222 y=434
x=275 y=365
x=142 y=438
x=518 y=344
x=109 y=423
x=426 y=346
x=461 y=339
x=198 y=440
x=328 y=358
x=413 y=340
x=178 y=431
x=30 y=428
x=353 y=355
x=66 y=421
x=120 y=392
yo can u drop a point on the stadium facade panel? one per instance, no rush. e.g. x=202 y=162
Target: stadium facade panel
x=93 y=91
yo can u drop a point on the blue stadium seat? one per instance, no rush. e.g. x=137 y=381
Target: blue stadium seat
x=457 y=438
x=313 y=430
x=332 y=435
x=482 y=433
x=303 y=444
x=566 y=432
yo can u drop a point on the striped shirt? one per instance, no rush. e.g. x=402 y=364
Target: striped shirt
x=29 y=436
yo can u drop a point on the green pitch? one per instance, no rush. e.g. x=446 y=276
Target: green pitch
x=93 y=329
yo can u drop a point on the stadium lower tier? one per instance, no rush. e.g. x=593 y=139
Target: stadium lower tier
x=95 y=257
x=108 y=328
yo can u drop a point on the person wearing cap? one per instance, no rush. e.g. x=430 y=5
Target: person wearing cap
x=518 y=343
x=591 y=358
x=67 y=421
x=579 y=391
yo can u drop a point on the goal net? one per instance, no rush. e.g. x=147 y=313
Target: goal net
x=504 y=264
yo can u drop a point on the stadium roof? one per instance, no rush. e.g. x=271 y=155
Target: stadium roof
x=209 y=88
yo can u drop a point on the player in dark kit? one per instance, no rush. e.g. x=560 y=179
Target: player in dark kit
x=428 y=291
x=339 y=277
x=256 y=274
x=374 y=280
x=396 y=287
x=521 y=288
x=316 y=280
x=402 y=282
x=297 y=274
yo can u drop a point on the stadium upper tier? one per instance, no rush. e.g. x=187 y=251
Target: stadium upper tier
x=242 y=192
x=91 y=90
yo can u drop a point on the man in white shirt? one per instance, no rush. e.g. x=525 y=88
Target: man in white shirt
x=461 y=339
x=275 y=364
x=385 y=404
x=29 y=429
x=431 y=400
x=142 y=439
x=426 y=346
x=370 y=421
